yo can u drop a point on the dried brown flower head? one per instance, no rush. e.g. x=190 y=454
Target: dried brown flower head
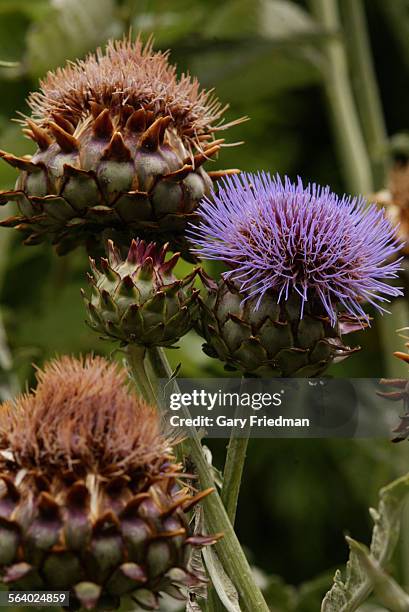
x=122 y=144
x=91 y=499
x=83 y=416
x=129 y=74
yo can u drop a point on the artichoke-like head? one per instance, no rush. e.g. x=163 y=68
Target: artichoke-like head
x=139 y=300
x=121 y=146
x=91 y=499
x=302 y=263
x=265 y=338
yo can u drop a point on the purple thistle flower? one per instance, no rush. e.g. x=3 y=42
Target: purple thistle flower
x=284 y=237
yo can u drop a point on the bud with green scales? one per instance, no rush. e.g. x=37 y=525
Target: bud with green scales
x=122 y=141
x=301 y=264
x=91 y=498
x=268 y=339
x=139 y=300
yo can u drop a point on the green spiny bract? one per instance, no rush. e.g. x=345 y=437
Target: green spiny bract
x=268 y=339
x=139 y=300
x=91 y=500
x=121 y=146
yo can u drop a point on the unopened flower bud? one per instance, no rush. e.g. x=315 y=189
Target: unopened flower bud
x=139 y=300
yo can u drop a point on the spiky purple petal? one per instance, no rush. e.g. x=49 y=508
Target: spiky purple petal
x=280 y=236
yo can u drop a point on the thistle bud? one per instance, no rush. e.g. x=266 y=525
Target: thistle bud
x=139 y=300
x=90 y=494
x=301 y=265
x=122 y=142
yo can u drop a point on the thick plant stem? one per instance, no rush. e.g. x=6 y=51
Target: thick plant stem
x=233 y=471
x=135 y=356
x=347 y=130
x=366 y=87
x=159 y=367
x=228 y=549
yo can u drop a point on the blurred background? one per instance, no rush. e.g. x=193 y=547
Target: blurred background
x=325 y=86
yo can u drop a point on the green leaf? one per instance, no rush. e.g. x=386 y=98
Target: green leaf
x=72 y=28
x=386 y=588
x=348 y=595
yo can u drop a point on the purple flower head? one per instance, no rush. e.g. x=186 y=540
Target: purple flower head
x=278 y=236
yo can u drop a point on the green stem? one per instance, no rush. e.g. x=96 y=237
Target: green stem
x=233 y=471
x=228 y=549
x=159 y=366
x=135 y=356
x=347 y=130
x=366 y=87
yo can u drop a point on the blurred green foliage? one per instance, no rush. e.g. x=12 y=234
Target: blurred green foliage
x=264 y=57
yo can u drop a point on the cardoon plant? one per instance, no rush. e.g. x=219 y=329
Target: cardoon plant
x=302 y=265
x=122 y=144
x=91 y=498
x=91 y=494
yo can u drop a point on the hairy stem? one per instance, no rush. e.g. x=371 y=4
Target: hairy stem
x=228 y=549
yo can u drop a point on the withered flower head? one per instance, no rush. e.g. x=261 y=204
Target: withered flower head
x=122 y=142
x=129 y=74
x=90 y=494
x=83 y=417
